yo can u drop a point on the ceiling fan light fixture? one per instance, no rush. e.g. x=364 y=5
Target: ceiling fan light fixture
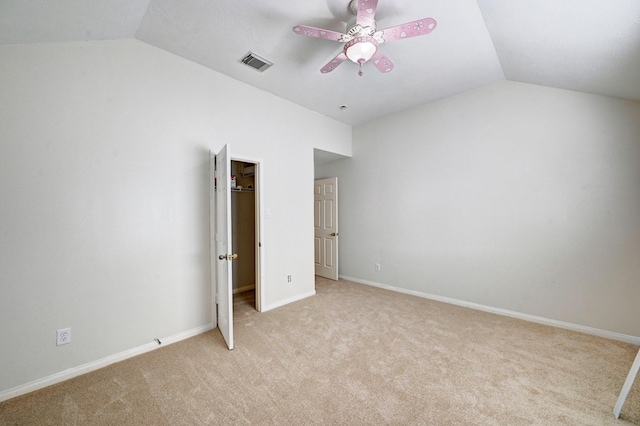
x=362 y=37
x=361 y=49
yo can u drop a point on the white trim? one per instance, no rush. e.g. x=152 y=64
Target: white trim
x=245 y=288
x=280 y=303
x=532 y=318
x=260 y=225
x=101 y=363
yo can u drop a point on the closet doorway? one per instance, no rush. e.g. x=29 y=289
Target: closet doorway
x=245 y=235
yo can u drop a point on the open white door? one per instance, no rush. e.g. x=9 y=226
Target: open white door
x=326 y=227
x=222 y=254
x=627 y=386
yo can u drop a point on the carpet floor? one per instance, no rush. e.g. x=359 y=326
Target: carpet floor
x=353 y=354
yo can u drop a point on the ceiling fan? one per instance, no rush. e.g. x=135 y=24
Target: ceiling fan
x=362 y=38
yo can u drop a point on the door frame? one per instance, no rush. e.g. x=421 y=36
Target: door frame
x=259 y=237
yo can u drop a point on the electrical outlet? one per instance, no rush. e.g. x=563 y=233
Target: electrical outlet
x=377 y=267
x=63 y=336
x=288 y=278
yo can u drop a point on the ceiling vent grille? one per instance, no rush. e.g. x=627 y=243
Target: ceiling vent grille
x=256 y=62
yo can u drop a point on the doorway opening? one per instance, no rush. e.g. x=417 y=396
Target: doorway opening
x=245 y=234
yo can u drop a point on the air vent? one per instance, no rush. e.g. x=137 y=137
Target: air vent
x=256 y=62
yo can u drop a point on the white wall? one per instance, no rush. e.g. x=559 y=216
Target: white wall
x=104 y=214
x=513 y=196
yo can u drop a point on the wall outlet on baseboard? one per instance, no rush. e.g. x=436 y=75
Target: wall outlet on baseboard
x=63 y=336
x=288 y=278
x=377 y=267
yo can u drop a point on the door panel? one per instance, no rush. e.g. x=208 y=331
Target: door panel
x=328 y=214
x=326 y=227
x=223 y=251
x=328 y=253
x=317 y=249
x=317 y=205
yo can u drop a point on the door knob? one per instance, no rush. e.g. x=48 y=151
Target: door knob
x=334 y=234
x=228 y=256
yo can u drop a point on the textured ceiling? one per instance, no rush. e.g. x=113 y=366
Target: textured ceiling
x=585 y=45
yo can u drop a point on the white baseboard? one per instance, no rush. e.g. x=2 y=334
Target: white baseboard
x=266 y=308
x=95 y=365
x=245 y=288
x=532 y=318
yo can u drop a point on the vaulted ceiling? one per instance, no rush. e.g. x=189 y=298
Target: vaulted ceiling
x=584 y=45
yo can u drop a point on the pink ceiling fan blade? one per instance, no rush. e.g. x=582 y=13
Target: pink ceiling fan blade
x=366 y=13
x=320 y=33
x=380 y=61
x=410 y=29
x=333 y=64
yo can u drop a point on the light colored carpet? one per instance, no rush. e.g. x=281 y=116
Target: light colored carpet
x=354 y=354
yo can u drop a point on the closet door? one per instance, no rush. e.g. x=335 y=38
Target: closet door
x=223 y=246
x=326 y=227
